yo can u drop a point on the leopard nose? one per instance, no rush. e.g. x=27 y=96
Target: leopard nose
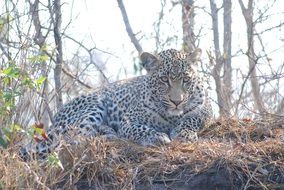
x=176 y=102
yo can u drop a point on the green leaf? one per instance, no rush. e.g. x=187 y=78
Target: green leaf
x=43 y=58
x=28 y=82
x=3 y=143
x=7 y=133
x=40 y=80
x=6 y=80
x=38 y=58
x=54 y=160
x=38 y=131
x=7 y=71
x=12 y=72
x=16 y=128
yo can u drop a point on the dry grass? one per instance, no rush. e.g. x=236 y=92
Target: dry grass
x=230 y=154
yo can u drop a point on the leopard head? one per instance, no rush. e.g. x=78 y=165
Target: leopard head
x=172 y=78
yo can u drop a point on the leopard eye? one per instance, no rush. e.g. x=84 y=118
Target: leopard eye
x=186 y=79
x=164 y=79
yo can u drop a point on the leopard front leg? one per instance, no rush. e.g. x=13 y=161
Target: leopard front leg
x=143 y=126
x=187 y=129
x=143 y=134
x=191 y=123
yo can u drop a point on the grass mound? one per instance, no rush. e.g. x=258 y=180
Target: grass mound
x=230 y=154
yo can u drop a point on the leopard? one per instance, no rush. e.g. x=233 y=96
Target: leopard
x=168 y=103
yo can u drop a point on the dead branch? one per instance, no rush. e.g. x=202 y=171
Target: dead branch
x=128 y=27
x=248 y=15
x=188 y=25
x=76 y=78
x=56 y=17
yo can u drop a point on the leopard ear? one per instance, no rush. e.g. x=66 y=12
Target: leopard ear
x=194 y=56
x=149 y=61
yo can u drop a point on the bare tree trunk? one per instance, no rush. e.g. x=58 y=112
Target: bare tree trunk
x=56 y=19
x=218 y=60
x=223 y=83
x=44 y=113
x=280 y=107
x=4 y=34
x=188 y=25
x=248 y=15
x=227 y=53
x=128 y=27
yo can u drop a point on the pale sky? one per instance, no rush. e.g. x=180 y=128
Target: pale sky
x=100 y=23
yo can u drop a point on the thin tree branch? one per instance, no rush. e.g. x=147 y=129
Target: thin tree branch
x=56 y=18
x=90 y=54
x=76 y=78
x=128 y=27
x=40 y=39
x=189 y=37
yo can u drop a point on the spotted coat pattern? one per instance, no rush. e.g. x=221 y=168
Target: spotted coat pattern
x=167 y=103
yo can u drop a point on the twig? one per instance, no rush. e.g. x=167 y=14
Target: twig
x=128 y=27
x=76 y=78
x=90 y=54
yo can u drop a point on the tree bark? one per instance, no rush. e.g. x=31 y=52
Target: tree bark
x=218 y=61
x=248 y=15
x=128 y=27
x=227 y=53
x=57 y=20
x=188 y=25
x=44 y=113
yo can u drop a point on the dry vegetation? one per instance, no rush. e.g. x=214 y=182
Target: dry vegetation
x=230 y=154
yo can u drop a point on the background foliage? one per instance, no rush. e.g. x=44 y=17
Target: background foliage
x=47 y=57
